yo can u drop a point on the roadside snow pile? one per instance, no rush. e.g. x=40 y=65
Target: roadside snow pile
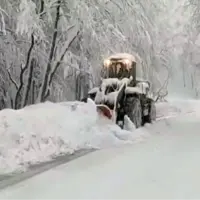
x=41 y=132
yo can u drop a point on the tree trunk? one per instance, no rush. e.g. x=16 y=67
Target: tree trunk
x=29 y=81
x=44 y=86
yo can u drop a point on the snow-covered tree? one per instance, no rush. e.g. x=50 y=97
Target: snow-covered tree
x=53 y=49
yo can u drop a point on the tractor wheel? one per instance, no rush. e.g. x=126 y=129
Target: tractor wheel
x=134 y=110
x=152 y=113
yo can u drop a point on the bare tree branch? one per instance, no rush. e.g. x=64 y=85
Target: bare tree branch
x=62 y=57
x=12 y=80
x=23 y=69
x=58 y=64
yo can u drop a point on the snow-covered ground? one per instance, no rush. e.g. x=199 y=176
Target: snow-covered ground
x=164 y=166
x=41 y=132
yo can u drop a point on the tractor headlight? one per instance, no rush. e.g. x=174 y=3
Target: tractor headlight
x=107 y=63
x=127 y=64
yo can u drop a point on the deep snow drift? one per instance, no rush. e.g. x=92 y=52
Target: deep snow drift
x=41 y=132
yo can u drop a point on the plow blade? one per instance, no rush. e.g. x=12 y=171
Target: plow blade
x=113 y=114
x=105 y=111
x=102 y=109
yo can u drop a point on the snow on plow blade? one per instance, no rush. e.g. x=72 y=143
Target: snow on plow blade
x=105 y=111
x=101 y=109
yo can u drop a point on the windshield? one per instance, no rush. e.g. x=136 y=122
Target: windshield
x=115 y=70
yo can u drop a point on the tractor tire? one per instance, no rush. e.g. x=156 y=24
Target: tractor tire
x=133 y=110
x=152 y=113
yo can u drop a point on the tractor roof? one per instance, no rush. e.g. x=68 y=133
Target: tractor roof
x=119 y=56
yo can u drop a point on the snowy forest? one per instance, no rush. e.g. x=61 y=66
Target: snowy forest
x=53 y=49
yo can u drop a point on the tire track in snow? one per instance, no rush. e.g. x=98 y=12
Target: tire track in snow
x=9 y=180
x=174 y=115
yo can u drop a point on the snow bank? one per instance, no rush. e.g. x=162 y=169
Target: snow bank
x=41 y=132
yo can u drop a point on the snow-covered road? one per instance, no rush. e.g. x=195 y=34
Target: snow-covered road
x=12 y=179
x=40 y=133
x=166 y=165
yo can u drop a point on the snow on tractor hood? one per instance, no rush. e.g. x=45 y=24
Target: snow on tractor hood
x=115 y=81
x=110 y=97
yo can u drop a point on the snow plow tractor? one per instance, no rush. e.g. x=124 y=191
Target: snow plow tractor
x=121 y=93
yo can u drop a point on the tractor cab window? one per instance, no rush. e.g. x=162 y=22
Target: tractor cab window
x=115 y=69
